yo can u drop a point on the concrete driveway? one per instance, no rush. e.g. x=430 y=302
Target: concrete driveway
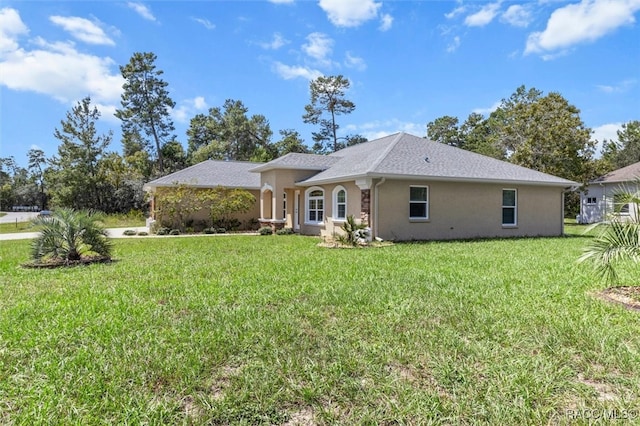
x=112 y=232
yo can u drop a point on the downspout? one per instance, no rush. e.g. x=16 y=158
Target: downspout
x=375 y=207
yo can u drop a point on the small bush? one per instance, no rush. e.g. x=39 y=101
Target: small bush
x=143 y=233
x=163 y=231
x=221 y=231
x=209 y=231
x=129 y=232
x=284 y=231
x=265 y=230
x=174 y=232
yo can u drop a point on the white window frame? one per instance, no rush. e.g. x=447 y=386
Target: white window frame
x=336 y=204
x=514 y=207
x=425 y=202
x=307 y=202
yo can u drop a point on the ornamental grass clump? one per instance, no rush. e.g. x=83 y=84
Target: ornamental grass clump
x=619 y=240
x=69 y=236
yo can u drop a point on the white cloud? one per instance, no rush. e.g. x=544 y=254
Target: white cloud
x=288 y=72
x=488 y=110
x=319 y=46
x=188 y=108
x=453 y=46
x=517 y=16
x=606 y=131
x=276 y=42
x=11 y=27
x=57 y=69
x=581 y=22
x=350 y=13
x=82 y=29
x=455 y=12
x=484 y=16
x=142 y=10
x=354 y=62
x=205 y=23
x=386 y=21
x=621 y=87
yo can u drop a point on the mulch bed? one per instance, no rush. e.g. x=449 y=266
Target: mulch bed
x=60 y=263
x=627 y=296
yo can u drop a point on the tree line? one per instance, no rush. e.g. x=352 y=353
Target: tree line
x=542 y=132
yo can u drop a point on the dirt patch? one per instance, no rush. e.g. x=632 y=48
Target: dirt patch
x=61 y=263
x=627 y=296
x=604 y=391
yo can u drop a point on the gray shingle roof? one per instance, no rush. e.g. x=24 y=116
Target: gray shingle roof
x=405 y=155
x=625 y=174
x=298 y=161
x=210 y=173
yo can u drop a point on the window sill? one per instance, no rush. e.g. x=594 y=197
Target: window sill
x=418 y=219
x=506 y=226
x=314 y=223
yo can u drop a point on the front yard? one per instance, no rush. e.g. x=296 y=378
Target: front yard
x=276 y=330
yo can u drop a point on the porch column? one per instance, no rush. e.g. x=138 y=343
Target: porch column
x=365 y=200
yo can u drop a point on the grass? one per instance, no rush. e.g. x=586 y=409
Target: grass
x=111 y=221
x=270 y=330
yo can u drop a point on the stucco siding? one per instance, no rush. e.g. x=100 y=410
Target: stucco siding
x=330 y=225
x=467 y=210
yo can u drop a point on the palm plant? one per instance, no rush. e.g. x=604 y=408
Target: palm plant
x=68 y=235
x=620 y=239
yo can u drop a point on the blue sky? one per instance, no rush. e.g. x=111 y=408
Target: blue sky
x=409 y=62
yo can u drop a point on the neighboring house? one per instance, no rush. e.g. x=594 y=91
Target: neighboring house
x=598 y=201
x=409 y=188
x=212 y=174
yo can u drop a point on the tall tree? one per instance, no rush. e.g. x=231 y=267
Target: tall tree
x=228 y=133
x=37 y=161
x=146 y=106
x=445 y=130
x=327 y=98
x=626 y=150
x=73 y=177
x=290 y=142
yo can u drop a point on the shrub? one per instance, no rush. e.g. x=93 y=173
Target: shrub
x=265 y=230
x=163 y=231
x=284 y=231
x=70 y=235
x=129 y=232
x=174 y=232
x=354 y=233
x=143 y=233
x=209 y=231
x=221 y=230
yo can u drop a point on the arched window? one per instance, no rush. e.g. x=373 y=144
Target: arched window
x=339 y=203
x=315 y=205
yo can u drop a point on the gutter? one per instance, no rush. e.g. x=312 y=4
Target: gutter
x=375 y=206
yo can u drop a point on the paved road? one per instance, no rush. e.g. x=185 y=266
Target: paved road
x=11 y=217
x=113 y=233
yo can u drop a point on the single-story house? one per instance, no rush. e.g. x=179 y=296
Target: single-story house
x=409 y=188
x=211 y=174
x=598 y=201
x=403 y=187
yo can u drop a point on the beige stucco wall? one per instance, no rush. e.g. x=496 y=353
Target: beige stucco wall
x=467 y=210
x=330 y=225
x=244 y=218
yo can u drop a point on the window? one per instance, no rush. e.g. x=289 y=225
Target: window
x=339 y=203
x=509 y=207
x=592 y=200
x=284 y=205
x=315 y=205
x=418 y=202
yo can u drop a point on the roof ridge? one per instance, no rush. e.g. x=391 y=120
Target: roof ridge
x=386 y=151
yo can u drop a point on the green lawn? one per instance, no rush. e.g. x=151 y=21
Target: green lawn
x=269 y=330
